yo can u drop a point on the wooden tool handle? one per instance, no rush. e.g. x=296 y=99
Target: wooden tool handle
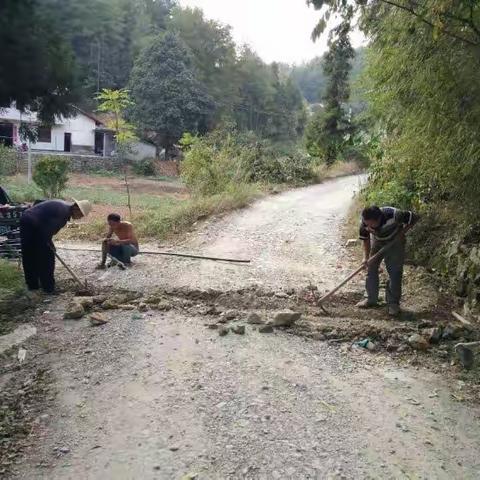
x=358 y=270
x=70 y=271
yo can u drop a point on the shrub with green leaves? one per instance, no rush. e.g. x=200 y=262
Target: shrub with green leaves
x=213 y=163
x=144 y=167
x=51 y=175
x=226 y=156
x=8 y=161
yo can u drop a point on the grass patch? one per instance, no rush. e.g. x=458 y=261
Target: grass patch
x=11 y=288
x=158 y=217
x=11 y=277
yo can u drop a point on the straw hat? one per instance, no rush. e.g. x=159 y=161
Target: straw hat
x=84 y=205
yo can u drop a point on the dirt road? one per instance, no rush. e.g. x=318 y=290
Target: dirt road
x=291 y=238
x=160 y=396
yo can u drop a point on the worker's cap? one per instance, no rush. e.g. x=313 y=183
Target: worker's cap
x=84 y=205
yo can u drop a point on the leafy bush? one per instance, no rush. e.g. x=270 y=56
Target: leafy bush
x=51 y=175
x=145 y=167
x=8 y=161
x=293 y=167
x=187 y=141
x=226 y=157
x=215 y=162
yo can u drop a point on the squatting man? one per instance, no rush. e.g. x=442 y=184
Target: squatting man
x=120 y=242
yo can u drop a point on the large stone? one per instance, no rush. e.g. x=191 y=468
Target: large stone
x=99 y=299
x=142 y=307
x=255 y=319
x=85 y=302
x=239 y=329
x=286 y=318
x=74 y=311
x=163 y=306
x=433 y=335
x=418 y=342
x=265 y=329
x=222 y=331
x=453 y=332
x=110 y=304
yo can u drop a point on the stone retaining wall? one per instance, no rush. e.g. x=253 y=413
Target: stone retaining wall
x=94 y=163
x=78 y=163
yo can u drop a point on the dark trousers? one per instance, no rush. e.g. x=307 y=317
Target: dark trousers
x=394 y=260
x=38 y=258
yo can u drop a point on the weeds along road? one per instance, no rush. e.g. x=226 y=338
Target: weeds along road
x=163 y=397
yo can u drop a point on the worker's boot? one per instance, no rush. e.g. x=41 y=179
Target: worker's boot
x=394 y=310
x=366 y=304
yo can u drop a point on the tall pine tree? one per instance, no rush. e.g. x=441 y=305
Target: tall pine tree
x=327 y=129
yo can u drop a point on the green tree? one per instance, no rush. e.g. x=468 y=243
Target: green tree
x=37 y=68
x=168 y=98
x=116 y=103
x=458 y=20
x=213 y=55
x=310 y=79
x=325 y=137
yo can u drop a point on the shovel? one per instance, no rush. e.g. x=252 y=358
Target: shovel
x=355 y=273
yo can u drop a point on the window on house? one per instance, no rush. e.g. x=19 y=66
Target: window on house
x=44 y=134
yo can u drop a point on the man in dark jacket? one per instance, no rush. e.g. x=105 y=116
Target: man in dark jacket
x=4 y=198
x=378 y=227
x=37 y=227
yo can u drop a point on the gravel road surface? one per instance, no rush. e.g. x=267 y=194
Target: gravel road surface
x=161 y=396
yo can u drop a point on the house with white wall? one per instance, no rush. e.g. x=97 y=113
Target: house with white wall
x=81 y=134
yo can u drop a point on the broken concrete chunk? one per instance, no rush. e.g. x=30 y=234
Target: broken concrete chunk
x=433 y=335
x=142 y=307
x=85 y=302
x=286 y=318
x=418 y=342
x=265 y=329
x=239 y=329
x=230 y=315
x=97 y=319
x=74 y=311
x=452 y=331
x=98 y=299
x=109 y=304
x=255 y=319
x=163 y=306
x=222 y=331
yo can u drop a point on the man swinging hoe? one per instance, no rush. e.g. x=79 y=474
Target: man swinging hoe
x=378 y=227
x=38 y=225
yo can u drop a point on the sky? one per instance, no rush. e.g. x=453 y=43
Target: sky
x=278 y=30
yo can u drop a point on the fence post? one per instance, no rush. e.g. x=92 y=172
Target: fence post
x=29 y=164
